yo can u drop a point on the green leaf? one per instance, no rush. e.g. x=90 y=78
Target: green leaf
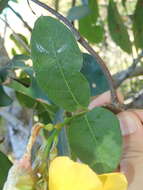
x=138 y=24
x=94 y=74
x=5 y=165
x=26 y=101
x=33 y=91
x=43 y=110
x=32 y=96
x=45 y=115
x=20 y=57
x=18 y=43
x=16 y=1
x=88 y=27
x=57 y=61
x=3 y=4
x=3 y=74
x=96 y=139
x=78 y=12
x=5 y=100
x=124 y=3
x=117 y=29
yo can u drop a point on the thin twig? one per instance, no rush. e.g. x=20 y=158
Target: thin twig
x=57 y=5
x=30 y=7
x=16 y=36
x=136 y=61
x=5 y=30
x=20 y=17
x=85 y=44
x=73 y=4
x=123 y=75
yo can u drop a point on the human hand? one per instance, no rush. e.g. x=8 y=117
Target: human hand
x=131 y=123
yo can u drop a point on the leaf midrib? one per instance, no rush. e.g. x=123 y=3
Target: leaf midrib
x=62 y=73
x=90 y=129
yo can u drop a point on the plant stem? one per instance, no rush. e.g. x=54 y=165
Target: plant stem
x=57 y=5
x=20 y=17
x=73 y=4
x=49 y=142
x=16 y=36
x=85 y=44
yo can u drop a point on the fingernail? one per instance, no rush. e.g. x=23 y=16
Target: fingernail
x=128 y=123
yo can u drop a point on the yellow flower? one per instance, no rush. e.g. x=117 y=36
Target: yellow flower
x=65 y=174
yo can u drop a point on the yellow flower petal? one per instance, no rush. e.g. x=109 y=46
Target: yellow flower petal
x=114 y=181
x=65 y=174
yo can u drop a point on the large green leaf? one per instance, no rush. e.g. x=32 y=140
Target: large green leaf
x=117 y=29
x=5 y=100
x=138 y=24
x=78 y=12
x=87 y=25
x=57 y=61
x=96 y=139
x=5 y=165
x=94 y=74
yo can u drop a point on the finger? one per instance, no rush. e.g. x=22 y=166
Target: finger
x=104 y=99
x=129 y=122
x=132 y=156
x=138 y=113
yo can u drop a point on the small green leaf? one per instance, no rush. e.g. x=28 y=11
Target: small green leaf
x=25 y=101
x=57 y=61
x=5 y=100
x=88 y=27
x=124 y=3
x=32 y=96
x=45 y=113
x=34 y=91
x=78 y=12
x=96 y=139
x=117 y=29
x=5 y=165
x=3 y=74
x=18 y=43
x=138 y=24
x=16 y=1
x=94 y=74
x=20 y=57
x=3 y=4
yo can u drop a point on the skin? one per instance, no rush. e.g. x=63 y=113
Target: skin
x=131 y=123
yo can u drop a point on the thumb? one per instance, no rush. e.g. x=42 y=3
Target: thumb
x=129 y=122
x=132 y=156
